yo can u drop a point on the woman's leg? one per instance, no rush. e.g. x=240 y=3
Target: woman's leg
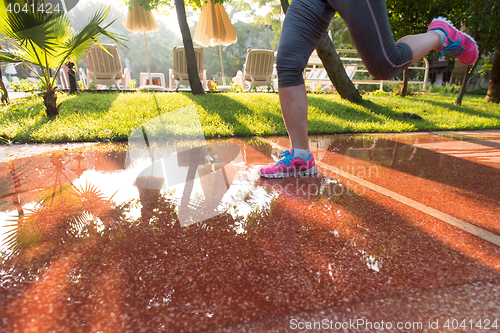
x=371 y=33
x=293 y=102
x=305 y=22
x=422 y=44
x=444 y=37
x=368 y=24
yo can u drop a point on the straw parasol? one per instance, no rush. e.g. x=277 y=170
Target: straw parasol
x=139 y=19
x=215 y=28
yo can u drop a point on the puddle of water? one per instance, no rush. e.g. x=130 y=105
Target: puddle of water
x=187 y=237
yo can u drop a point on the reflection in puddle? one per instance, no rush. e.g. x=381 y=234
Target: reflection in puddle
x=77 y=190
x=375 y=149
x=94 y=249
x=181 y=160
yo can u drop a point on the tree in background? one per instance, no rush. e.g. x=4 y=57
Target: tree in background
x=273 y=18
x=408 y=18
x=493 y=94
x=160 y=45
x=340 y=34
x=482 y=19
x=47 y=40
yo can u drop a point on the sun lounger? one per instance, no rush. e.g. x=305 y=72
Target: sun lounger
x=258 y=69
x=178 y=75
x=105 y=68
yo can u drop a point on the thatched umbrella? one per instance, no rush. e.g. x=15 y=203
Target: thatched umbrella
x=139 y=19
x=215 y=28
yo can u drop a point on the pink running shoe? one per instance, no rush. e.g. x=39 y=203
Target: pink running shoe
x=456 y=43
x=289 y=166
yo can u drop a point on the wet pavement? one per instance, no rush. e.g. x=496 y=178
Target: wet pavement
x=397 y=233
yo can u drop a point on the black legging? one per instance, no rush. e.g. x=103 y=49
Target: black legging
x=307 y=20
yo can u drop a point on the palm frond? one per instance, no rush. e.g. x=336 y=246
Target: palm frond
x=23 y=26
x=25 y=232
x=7 y=56
x=16 y=177
x=78 y=45
x=90 y=192
x=55 y=193
x=48 y=40
x=88 y=36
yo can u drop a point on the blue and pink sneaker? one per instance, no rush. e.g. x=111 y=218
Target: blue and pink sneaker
x=289 y=166
x=456 y=43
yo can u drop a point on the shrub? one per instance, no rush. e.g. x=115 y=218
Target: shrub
x=447 y=88
x=453 y=88
x=131 y=84
x=380 y=93
x=434 y=88
x=477 y=91
x=92 y=86
x=213 y=86
x=236 y=88
x=25 y=85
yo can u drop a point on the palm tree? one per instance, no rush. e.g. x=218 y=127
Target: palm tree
x=47 y=39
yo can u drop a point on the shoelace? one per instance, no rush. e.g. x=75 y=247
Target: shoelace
x=285 y=158
x=454 y=49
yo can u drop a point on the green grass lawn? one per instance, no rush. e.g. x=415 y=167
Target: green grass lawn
x=112 y=116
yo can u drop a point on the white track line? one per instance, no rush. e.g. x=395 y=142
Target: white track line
x=465 y=226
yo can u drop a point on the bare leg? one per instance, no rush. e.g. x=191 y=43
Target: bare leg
x=293 y=102
x=421 y=44
x=293 y=99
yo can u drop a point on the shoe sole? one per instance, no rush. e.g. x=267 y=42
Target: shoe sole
x=307 y=173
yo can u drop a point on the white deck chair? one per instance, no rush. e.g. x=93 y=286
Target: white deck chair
x=316 y=76
x=64 y=77
x=83 y=76
x=351 y=70
x=259 y=66
x=6 y=83
x=105 y=69
x=15 y=79
x=320 y=76
x=179 y=73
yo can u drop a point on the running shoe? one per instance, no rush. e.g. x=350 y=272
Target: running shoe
x=289 y=166
x=456 y=43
